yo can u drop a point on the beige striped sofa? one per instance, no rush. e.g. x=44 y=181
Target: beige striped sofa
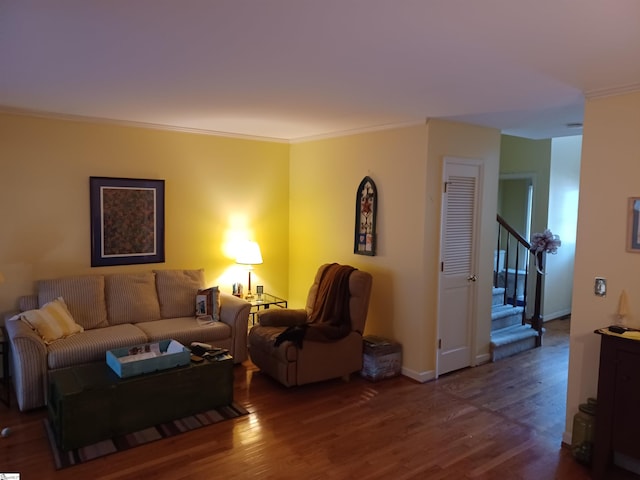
x=117 y=310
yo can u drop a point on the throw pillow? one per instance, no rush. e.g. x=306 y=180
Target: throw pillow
x=208 y=303
x=52 y=322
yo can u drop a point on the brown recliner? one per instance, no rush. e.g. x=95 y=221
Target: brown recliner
x=301 y=360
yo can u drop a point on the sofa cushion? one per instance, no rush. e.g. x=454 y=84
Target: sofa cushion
x=131 y=298
x=177 y=291
x=84 y=296
x=92 y=345
x=186 y=330
x=263 y=338
x=52 y=322
x=28 y=302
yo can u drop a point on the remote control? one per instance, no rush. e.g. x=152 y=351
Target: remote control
x=618 y=329
x=198 y=350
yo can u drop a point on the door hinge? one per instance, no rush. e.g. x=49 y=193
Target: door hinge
x=442 y=266
x=439 y=344
x=445 y=186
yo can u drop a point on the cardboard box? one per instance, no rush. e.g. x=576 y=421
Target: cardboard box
x=382 y=358
x=123 y=361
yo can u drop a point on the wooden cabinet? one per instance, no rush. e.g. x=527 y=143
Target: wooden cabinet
x=618 y=413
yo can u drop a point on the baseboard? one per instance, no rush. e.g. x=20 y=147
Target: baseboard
x=482 y=359
x=421 y=377
x=566 y=438
x=555 y=315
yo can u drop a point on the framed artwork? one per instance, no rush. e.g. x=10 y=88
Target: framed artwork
x=127 y=221
x=366 y=208
x=633 y=235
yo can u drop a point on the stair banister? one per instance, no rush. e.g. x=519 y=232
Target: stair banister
x=536 y=320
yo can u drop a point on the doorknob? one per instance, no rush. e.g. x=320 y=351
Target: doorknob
x=472 y=278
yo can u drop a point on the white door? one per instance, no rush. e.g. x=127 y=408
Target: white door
x=458 y=265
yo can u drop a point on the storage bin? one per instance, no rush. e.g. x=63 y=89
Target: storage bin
x=382 y=358
x=147 y=365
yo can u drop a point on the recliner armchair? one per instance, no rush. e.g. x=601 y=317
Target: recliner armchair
x=321 y=341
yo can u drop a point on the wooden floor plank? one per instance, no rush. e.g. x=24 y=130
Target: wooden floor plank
x=498 y=421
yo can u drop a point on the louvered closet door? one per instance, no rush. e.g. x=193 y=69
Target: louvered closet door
x=456 y=313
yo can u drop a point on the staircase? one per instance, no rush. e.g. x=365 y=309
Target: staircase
x=508 y=335
x=511 y=333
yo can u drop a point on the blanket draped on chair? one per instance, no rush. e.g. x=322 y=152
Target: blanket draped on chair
x=329 y=319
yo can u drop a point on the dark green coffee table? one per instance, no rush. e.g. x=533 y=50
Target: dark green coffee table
x=89 y=403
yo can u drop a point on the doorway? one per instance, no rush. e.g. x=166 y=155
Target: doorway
x=458 y=264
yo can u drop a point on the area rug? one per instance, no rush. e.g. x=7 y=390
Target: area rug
x=64 y=458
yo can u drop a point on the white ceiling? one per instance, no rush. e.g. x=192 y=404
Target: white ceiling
x=299 y=69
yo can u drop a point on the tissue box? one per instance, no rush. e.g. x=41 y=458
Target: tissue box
x=382 y=358
x=137 y=360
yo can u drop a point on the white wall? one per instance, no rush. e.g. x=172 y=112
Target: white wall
x=564 y=183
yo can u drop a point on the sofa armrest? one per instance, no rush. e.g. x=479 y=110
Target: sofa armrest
x=28 y=364
x=235 y=312
x=282 y=317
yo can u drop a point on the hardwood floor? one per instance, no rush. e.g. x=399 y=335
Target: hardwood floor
x=499 y=421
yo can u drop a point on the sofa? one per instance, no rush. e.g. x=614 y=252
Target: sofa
x=113 y=311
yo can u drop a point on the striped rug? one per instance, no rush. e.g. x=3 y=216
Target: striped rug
x=64 y=458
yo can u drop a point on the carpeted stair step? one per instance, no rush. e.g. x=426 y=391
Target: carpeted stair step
x=503 y=316
x=498 y=296
x=512 y=340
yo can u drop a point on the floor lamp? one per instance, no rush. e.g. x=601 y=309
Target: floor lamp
x=249 y=255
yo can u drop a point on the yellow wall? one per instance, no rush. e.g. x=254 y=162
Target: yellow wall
x=216 y=188
x=525 y=156
x=609 y=173
x=325 y=175
x=406 y=164
x=297 y=201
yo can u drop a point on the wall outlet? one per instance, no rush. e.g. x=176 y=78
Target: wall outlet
x=600 y=286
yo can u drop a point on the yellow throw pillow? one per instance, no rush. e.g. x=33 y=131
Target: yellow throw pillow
x=52 y=322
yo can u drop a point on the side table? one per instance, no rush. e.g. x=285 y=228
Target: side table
x=263 y=302
x=5 y=382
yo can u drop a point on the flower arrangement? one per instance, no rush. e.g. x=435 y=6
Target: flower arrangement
x=545 y=242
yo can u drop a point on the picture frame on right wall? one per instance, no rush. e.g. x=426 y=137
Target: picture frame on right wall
x=366 y=213
x=633 y=220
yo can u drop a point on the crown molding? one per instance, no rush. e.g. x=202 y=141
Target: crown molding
x=356 y=131
x=610 y=91
x=198 y=131
x=128 y=123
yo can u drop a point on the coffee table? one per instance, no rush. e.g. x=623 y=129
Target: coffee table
x=89 y=403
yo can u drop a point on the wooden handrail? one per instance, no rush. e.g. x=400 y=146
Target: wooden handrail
x=523 y=241
x=536 y=320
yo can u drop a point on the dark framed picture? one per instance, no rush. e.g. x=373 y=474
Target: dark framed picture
x=366 y=211
x=127 y=221
x=633 y=234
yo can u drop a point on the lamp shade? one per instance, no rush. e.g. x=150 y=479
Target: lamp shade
x=249 y=254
